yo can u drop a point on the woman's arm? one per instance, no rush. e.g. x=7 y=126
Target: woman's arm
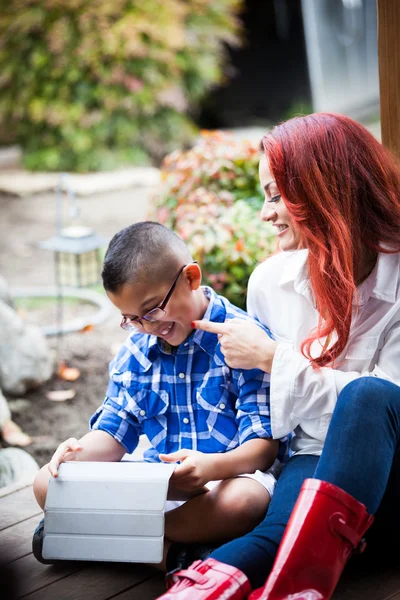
x=300 y=392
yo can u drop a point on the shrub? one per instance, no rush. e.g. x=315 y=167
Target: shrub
x=93 y=84
x=211 y=197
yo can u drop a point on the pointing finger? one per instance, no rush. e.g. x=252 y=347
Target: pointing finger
x=210 y=326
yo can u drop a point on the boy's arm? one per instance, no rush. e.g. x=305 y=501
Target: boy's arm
x=198 y=468
x=94 y=446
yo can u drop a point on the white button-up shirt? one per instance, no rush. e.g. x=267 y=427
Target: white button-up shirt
x=302 y=398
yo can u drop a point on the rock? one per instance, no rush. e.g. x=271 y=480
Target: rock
x=5 y=413
x=5 y=294
x=18 y=406
x=16 y=465
x=25 y=358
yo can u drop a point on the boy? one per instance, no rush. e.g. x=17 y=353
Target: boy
x=172 y=384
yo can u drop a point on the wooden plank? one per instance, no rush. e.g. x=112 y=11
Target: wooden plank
x=98 y=581
x=17 y=485
x=389 y=72
x=16 y=540
x=153 y=588
x=31 y=576
x=375 y=584
x=17 y=507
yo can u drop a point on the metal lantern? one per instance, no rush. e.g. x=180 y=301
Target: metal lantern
x=77 y=256
x=76 y=247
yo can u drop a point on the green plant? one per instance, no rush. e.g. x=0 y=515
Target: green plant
x=211 y=197
x=93 y=84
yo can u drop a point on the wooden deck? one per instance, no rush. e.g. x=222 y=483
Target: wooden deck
x=19 y=515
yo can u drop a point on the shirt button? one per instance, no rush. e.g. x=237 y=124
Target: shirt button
x=181 y=375
x=142 y=413
x=222 y=406
x=185 y=420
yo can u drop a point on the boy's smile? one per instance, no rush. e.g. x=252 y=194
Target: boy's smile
x=175 y=306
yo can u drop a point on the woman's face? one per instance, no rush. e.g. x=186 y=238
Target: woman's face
x=274 y=210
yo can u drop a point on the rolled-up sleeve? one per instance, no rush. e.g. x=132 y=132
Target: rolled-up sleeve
x=253 y=410
x=252 y=405
x=113 y=418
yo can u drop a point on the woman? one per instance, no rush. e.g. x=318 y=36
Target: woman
x=332 y=301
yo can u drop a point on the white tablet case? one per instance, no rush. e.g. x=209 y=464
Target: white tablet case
x=100 y=511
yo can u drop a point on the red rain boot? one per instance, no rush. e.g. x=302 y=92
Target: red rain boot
x=326 y=525
x=208 y=580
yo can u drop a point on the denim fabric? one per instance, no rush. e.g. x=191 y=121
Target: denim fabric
x=360 y=455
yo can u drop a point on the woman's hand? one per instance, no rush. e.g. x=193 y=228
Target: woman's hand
x=243 y=343
x=193 y=472
x=68 y=450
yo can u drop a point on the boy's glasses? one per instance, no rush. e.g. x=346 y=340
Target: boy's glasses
x=156 y=314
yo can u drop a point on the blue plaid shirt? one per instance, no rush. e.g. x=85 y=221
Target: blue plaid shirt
x=185 y=397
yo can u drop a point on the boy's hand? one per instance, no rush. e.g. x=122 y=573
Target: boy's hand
x=243 y=343
x=68 y=450
x=195 y=470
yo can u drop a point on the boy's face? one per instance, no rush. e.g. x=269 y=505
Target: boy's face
x=185 y=304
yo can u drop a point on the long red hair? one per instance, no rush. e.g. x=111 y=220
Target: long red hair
x=341 y=188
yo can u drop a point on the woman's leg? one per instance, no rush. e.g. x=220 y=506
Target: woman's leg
x=362 y=441
x=366 y=423
x=254 y=553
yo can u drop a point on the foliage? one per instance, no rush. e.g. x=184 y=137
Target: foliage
x=211 y=197
x=93 y=84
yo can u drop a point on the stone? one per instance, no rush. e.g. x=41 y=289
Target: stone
x=16 y=465
x=5 y=294
x=5 y=413
x=26 y=361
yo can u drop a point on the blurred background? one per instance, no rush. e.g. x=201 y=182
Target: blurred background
x=114 y=112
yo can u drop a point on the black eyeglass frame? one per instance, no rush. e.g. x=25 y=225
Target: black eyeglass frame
x=129 y=324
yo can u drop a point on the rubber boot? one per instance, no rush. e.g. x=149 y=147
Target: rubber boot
x=207 y=580
x=326 y=525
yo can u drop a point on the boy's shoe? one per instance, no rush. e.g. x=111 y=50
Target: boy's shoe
x=208 y=580
x=37 y=545
x=181 y=556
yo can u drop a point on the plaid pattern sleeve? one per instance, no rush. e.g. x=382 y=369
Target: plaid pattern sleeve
x=115 y=416
x=184 y=397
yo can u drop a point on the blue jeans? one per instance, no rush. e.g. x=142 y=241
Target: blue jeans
x=361 y=455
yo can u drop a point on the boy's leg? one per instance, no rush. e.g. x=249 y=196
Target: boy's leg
x=229 y=509
x=40 y=486
x=232 y=508
x=255 y=552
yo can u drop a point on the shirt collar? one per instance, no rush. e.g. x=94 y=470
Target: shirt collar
x=383 y=281
x=215 y=312
x=295 y=269
x=207 y=341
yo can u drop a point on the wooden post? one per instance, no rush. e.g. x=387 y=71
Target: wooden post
x=389 y=72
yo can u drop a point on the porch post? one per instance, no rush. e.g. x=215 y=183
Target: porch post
x=389 y=72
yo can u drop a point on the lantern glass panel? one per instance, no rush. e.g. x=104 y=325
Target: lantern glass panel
x=78 y=270
x=67 y=270
x=89 y=268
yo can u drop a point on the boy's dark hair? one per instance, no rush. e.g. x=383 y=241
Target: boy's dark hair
x=143 y=251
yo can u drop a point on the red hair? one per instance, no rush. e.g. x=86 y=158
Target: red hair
x=341 y=188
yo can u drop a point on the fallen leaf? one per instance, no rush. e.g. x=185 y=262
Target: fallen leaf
x=68 y=373
x=60 y=395
x=13 y=435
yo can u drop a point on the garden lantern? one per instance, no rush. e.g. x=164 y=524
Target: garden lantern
x=76 y=247
x=77 y=255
